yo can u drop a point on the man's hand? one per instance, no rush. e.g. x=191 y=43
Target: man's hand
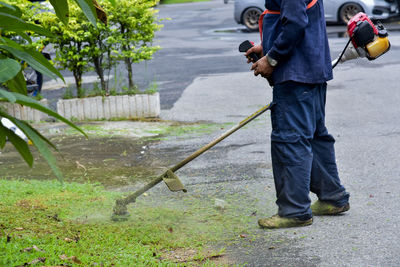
x=256 y=49
x=262 y=67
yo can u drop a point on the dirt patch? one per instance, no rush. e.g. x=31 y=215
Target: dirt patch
x=112 y=161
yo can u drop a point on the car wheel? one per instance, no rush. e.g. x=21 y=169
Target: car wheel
x=348 y=11
x=250 y=18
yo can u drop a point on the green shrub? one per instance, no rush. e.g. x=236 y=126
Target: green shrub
x=82 y=46
x=135 y=23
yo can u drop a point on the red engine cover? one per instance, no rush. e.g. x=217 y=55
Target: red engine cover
x=352 y=24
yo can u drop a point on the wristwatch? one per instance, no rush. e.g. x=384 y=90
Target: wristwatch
x=271 y=61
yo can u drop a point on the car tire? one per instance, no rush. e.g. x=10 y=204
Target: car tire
x=349 y=10
x=250 y=18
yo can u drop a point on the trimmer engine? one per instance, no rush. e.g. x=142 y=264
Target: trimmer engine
x=369 y=40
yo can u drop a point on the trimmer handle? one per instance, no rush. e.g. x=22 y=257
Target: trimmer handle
x=246 y=45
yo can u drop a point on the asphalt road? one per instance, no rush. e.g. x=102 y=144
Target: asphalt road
x=205 y=79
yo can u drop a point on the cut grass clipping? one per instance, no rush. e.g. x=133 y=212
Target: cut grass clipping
x=47 y=223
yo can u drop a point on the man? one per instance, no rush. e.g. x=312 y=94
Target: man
x=295 y=59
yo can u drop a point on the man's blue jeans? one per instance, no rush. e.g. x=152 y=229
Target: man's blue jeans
x=303 y=156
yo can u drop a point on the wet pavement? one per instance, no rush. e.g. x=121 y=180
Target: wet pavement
x=111 y=161
x=199 y=39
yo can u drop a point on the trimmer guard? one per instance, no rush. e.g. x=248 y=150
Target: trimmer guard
x=172 y=181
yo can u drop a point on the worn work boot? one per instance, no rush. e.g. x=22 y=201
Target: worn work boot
x=324 y=208
x=277 y=221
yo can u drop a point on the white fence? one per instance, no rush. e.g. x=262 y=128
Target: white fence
x=26 y=113
x=110 y=107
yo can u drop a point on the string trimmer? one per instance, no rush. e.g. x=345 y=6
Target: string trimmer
x=367 y=40
x=169 y=177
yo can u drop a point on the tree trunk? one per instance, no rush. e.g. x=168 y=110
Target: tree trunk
x=78 y=83
x=100 y=72
x=108 y=67
x=128 y=64
x=78 y=76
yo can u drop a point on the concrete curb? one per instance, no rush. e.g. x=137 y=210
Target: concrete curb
x=26 y=113
x=110 y=107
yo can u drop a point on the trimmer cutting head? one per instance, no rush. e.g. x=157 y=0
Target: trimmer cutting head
x=169 y=177
x=120 y=211
x=120 y=217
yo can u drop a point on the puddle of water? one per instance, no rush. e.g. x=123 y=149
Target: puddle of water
x=234 y=30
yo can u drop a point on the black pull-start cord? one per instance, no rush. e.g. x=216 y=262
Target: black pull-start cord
x=341 y=55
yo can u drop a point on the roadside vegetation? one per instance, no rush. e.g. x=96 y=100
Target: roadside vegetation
x=124 y=37
x=47 y=222
x=44 y=223
x=84 y=37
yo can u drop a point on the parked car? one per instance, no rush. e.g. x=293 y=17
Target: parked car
x=247 y=12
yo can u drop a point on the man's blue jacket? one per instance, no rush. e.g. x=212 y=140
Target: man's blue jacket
x=297 y=39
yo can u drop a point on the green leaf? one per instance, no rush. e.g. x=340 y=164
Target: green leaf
x=40 y=143
x=17 y=84
x=9 y=9
x=13 y=23
x=89 y=10
x=7 y=95
x=35 y=59
x=39 y=134
x=21 y=146
x=25 y=36
x=112 y=2
x=30 y=102
x=3 y=136
x=9 y=68
x=61 y=8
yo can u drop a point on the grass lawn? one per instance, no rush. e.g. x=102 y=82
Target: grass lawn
x=46 y=223
x=180 y=1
